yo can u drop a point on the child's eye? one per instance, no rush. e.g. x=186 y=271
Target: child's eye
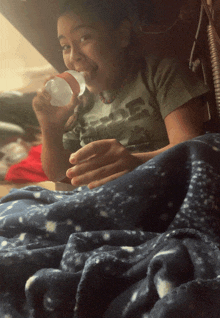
x=85 y=37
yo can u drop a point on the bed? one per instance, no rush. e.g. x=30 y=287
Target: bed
x=146 y=245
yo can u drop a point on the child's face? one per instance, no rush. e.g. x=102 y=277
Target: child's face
x=91 y=48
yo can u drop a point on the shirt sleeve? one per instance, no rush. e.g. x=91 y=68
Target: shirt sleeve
x=174 y=84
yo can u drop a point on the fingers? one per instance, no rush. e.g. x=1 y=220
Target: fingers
x=90 y=176
x=89 y=164
x=98 y=147
x=92 y=157
x=43 y=95
x=84 y=171
x=41 y=100
x=100 y=162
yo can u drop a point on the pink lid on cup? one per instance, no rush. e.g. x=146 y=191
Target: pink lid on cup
x=71 y=81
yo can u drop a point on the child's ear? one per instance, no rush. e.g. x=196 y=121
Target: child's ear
x=124 y=33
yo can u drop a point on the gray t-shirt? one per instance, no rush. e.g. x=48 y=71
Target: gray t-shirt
x=136 y=117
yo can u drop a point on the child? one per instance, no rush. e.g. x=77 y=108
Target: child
x=95 y=253
x=135 y=107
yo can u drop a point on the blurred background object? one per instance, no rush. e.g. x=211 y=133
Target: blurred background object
x=23 y=70
x=22 y=67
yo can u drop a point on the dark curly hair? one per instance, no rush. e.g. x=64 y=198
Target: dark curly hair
x=112 y=12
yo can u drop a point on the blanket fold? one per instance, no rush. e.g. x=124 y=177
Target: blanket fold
x=145 y=245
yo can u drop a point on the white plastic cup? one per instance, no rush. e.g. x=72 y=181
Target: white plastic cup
x=62 y=86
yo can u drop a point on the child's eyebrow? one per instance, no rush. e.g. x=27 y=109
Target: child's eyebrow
x=75 y=29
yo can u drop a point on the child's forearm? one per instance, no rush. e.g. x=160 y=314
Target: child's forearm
x=145 y=156
x=55 y=159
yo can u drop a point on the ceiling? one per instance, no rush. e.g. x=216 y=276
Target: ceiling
x=36 y=20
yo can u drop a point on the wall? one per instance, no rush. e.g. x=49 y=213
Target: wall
x=22 y=67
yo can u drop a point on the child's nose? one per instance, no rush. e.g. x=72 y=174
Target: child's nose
x=75 y=55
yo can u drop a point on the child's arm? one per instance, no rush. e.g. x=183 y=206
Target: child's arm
x=105 y=160
x=52 y=119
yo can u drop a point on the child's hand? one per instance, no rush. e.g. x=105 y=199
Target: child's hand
x=52 y=115
x=100 y=162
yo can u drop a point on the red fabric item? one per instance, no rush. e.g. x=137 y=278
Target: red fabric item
x=29 y=169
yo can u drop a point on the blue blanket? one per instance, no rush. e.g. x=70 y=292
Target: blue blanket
x=143 y=246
